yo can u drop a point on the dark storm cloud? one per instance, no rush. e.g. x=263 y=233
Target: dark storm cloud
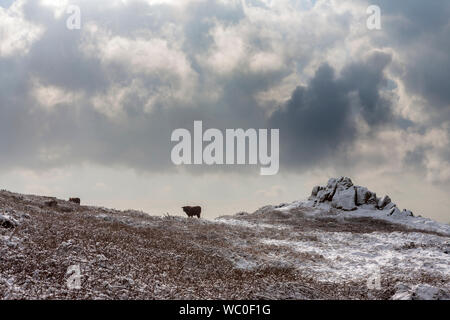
x=420 y=32
x=55 y=59
x=410 y=19
x=320 y=120
x=367 y=80
x=69 y=134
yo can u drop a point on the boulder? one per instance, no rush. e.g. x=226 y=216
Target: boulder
x=395 y=212
x=344 y=195
x=407 y=213
x=332 y=182
x=345 y=182
x=363 y=195
x=315 y=190
x=389 y=206
x=383 y=202
x=327 y=193
x=323 y=195
x=345 y=199
x=373 y=200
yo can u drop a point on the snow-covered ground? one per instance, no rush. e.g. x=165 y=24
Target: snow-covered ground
x=418 y=248
x=321 y=248
x=405 y=255
x=419 y=223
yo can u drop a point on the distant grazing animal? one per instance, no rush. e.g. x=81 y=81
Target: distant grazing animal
x=51 y=203
x=75 y=200
x=192 y=211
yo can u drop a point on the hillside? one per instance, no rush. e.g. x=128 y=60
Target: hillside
x=332 y=246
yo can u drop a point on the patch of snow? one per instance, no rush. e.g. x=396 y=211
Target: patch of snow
x=345 y=199
x=419 y=223
x=248 y=224
x=11 y=242
x=351 y=256
x=420 y=292
x=244 y=264
x=289 y=206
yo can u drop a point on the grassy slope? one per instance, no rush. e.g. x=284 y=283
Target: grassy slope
x=130 y=255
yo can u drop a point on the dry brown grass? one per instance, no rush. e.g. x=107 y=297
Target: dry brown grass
x=130 y=255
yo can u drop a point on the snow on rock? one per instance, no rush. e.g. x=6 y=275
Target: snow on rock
x=326 y=193
x=401 y=217
x=344 y=199
x=364 y=196
x=407 y=213
x=340 y=193
x=390 y=206
x=420 y=292
x=344 y=195
x=395 y=212
x=384 y=202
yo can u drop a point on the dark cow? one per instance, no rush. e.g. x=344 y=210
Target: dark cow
x=75 y=200
x=192 y=211
x=51 y=203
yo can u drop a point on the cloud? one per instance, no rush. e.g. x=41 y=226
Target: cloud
x=112 y=92
x=321 y=119
x=51 y=96
x=152 y=70
x=16 y=33
x=419 y=33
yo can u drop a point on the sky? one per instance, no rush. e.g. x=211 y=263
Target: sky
x=89 y=111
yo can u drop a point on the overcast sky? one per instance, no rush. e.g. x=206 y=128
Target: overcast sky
x=90 y=112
